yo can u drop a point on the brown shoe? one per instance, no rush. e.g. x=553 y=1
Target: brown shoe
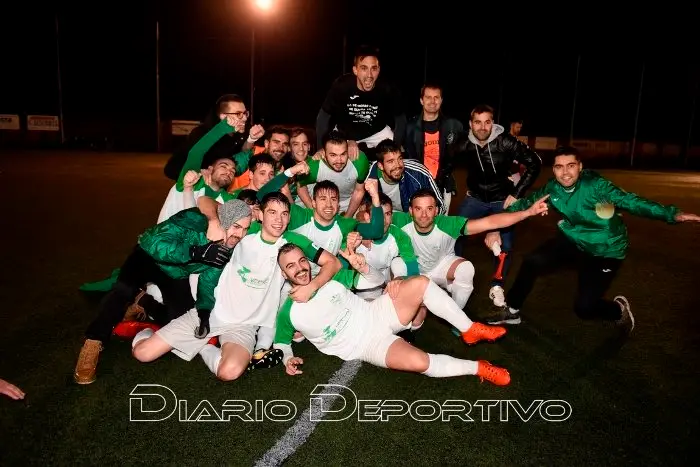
x=135 y=312
x=86 y=368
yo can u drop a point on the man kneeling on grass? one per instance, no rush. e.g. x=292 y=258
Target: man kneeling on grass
x=338 y=322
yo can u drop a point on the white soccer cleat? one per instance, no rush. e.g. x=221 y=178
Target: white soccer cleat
x=497 y=296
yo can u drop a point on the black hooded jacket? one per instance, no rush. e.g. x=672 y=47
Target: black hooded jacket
x=489 y=166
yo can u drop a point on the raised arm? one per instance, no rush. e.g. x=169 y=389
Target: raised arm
x=505 y=219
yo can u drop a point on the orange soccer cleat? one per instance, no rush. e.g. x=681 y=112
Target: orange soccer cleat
x=482 y=332
x=493 y=374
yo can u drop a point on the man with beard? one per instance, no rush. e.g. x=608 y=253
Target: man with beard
x=400 y=178
x=338 y=322
x=433 y=237
x=591 y=236
x=366 y=109
x=334 y=167
x=488 y=152
x=247 y=296
x=276 y=146
x=166 y=255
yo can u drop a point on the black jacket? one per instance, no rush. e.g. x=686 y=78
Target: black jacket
x=414 y=144
x=489 y=166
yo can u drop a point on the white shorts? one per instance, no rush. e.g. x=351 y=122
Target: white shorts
x=378 y=332
x=439 y=272
x=373 y=140
x=179 y=334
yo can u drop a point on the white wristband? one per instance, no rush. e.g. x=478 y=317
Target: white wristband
x=288 y=173
x=252 y=140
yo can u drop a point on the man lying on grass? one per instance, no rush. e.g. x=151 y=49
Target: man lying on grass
x=338 y=322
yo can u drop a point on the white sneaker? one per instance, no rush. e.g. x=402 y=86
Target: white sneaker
x=497 y=296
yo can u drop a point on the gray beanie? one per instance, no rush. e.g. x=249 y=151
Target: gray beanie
x=231 y=212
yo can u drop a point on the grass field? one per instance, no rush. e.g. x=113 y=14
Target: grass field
x=72 y=218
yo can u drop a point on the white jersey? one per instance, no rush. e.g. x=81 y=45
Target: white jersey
x=177 y=200
x=334 y=319
x=354 y=172
x=393 y=191
x=331 y=237
x=249 y=288
x=432 y=247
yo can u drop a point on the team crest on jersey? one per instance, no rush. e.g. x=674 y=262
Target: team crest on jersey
x=605 y=210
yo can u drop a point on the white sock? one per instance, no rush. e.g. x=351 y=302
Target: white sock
x=265 y=338
x=415 y=328
x=461 y=295
x=211 y=355
x=440 y=304
x=513 y=310
x=444 y=366
x=141 y=335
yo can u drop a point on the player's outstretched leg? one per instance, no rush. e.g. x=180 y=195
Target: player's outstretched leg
x=403 y=356
x=420 y=289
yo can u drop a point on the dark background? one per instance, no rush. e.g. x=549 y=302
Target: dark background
x=524 y=69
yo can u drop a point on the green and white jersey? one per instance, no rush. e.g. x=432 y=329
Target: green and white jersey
x=395 y=243
x=354 y=172
x=333 y=320
x=432 y=247
x=177 y=199
x=248 y=291
x=332 y=237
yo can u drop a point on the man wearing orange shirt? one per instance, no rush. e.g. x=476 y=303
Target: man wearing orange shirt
x=428 y=137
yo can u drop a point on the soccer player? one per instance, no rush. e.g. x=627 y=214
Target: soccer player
x=247 y=297
x=391 y=254
x=166 y=255
x=349 y=177
x=218 y=172
x=592 y=236
x=433 y=237
x=262 y=170
x=338 y=322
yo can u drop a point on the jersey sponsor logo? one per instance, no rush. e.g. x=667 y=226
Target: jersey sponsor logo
x=252 y=282
x=329 y=332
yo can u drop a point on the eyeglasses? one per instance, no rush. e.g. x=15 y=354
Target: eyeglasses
x=238 y=114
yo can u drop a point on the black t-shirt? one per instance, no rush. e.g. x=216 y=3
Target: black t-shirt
x=360 y=114
x=431 y=126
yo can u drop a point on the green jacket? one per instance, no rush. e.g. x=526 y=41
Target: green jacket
x=169 y=242
x=588 y=211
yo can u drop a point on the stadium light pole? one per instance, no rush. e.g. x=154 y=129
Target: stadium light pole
x=158 y=129
x=260 y=5
x=573 y=108
x=636 y=117
x=60 y=88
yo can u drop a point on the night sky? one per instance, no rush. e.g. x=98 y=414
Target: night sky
x=108 y=57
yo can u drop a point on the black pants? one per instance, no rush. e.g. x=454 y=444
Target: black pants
x=138 y=270
x=595 y=274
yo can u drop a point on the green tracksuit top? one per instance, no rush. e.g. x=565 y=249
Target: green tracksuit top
x=590 y=212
